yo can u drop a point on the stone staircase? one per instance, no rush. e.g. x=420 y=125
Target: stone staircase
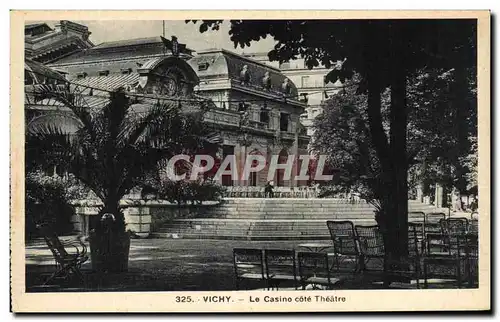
x=275 y=219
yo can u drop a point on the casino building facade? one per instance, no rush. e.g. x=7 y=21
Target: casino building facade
x=254 y=108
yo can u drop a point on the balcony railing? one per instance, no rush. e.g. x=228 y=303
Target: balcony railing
x=278 y=192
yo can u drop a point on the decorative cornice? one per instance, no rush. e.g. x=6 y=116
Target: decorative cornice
x=246 y=59
x=275 y=96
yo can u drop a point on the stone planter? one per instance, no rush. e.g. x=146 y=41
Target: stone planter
x=109 y=253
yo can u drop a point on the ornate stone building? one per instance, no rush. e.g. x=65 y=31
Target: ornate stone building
x=45 y=44
x=266 y=99
x=310 y=85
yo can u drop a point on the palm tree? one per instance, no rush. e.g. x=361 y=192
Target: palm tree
x=116 y=145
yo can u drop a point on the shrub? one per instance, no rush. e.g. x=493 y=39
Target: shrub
x=188 y=191
x=47 y=200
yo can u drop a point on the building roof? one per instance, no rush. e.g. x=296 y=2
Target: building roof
x=110 y=82
x=43 y=43
x=221 y=63
x=116 y=50
x=34 y=25
x=128 y=42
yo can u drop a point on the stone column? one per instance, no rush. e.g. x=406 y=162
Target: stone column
x=295 y=152
x=420 y=193
x=438 y=196
x=82 y=217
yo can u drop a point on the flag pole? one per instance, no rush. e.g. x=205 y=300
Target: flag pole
x=163 y=33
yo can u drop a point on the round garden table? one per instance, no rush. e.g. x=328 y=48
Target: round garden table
x=315 y=247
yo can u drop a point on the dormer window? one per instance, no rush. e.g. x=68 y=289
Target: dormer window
x=81 y=75
x=103 y=72
x=203 y=66
x=126 y=71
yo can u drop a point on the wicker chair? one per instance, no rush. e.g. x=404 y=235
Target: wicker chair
x=455 y=226
x=432 y=228
x=371 y=245
x=345 y=244
x=407 y=269
x=418 y=229
x=473 y=227
x=453 y=262
x=472 y=257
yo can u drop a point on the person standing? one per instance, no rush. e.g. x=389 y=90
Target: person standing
x=268 y=190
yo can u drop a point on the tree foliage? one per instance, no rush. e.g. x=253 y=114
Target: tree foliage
x=384 y=53
x=433 y=148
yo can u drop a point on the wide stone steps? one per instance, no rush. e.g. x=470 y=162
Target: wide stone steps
x=275 y=219
x=312 y=211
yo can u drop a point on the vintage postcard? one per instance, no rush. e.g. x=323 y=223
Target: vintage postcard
x=266 y=161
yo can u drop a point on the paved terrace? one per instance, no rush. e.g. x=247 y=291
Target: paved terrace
x=164 y=265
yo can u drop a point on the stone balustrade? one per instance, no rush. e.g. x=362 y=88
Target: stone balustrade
x=279 y=192
x=138 y=214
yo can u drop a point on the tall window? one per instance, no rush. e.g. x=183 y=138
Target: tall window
x=253 y=179
x=264 y=116
x=284 y=122
x=305 y=81
x=227 y=179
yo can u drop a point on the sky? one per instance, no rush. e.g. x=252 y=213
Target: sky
x=106 y=30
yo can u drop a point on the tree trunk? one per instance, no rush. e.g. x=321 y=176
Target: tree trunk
x=111 y=205
x=109 y=243
x=393 y=185
x=397 y=221
x=398 y=214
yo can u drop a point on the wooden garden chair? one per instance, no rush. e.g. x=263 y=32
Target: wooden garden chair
x=248 y=265
x=280 y=267
x=314 y=271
